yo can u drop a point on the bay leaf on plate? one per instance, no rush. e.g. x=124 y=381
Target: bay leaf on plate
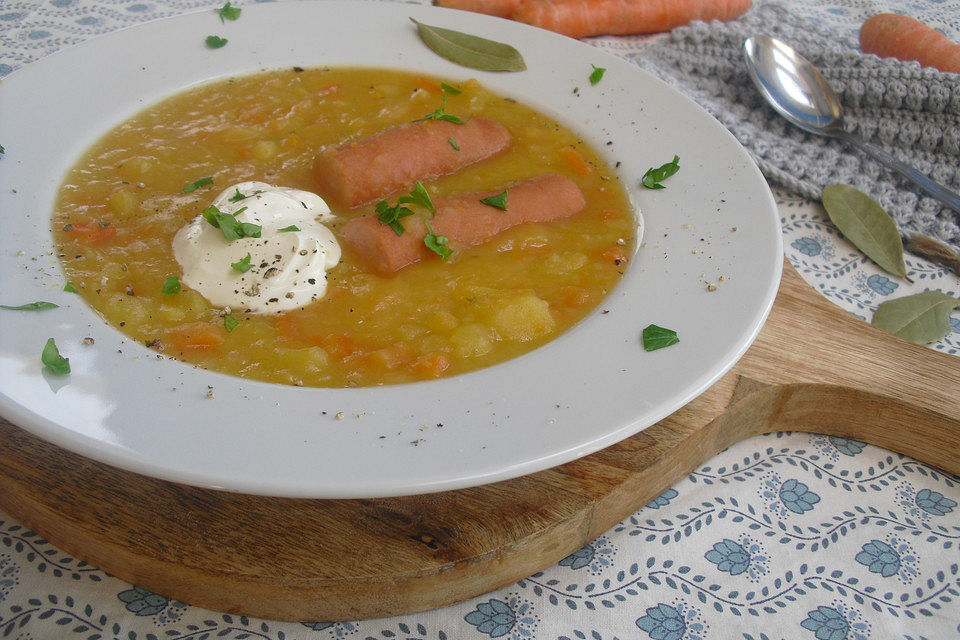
x=865 y=223
x=920 y=318
x=469 y=50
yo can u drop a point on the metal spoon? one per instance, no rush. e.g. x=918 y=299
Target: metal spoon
x=803 y=96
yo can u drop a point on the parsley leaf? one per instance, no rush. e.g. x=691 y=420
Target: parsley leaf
x=499 y=201
x=171 y=286
x=655 y=337
x=437 y=244
x=452 y=90
x=30 y=306
x=440 y=114
x=237 y=196
x=228 y=224
x=230 y=323
x=215 y=42
x=227 y=12
x=193 y=186
x=292 y=227
x=597 y=74
x=250 y=230
x=390 y=216
x=243 y=264
x=418 y=196
x=52 y=360
x=653 y=177
x=69 y=288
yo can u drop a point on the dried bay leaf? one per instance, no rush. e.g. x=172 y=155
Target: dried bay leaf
x=934 y=251
x=865 y=223
x=921 y=318
x=470 y=51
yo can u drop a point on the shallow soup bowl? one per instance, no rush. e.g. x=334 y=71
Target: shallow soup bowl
x=708 y=267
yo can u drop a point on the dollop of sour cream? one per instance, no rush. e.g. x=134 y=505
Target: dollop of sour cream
x=288 y=269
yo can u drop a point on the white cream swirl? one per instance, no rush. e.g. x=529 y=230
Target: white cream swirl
x=288 y=269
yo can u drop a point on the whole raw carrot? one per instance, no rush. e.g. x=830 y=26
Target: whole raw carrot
x=891 y=35
x=499 y=8
x=582 y=18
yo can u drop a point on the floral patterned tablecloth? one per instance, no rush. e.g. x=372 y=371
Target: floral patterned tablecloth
x=787 y=535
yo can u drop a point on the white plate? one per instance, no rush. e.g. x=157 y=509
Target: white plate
x=588 y=389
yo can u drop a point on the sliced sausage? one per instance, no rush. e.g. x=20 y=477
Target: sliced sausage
x=364 y=170
x=464 y=220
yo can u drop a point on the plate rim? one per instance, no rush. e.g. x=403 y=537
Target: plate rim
x=134 y=461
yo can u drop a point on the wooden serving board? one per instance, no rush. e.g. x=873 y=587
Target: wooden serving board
x=813 y=367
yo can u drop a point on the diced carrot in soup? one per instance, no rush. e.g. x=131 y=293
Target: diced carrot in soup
x=340 y=345
x=432 y=365
x=575 y=160
x=92 y=232
x=195 y=336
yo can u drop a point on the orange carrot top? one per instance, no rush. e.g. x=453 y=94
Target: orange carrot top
x=891 y=35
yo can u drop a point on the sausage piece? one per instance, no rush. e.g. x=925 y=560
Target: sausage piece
x=361 y=171
x=464 y=220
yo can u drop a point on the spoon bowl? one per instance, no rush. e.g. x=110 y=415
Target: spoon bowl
x=793 y=86
x=800 y=93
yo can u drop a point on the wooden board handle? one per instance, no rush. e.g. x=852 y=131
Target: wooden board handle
x=882 y=420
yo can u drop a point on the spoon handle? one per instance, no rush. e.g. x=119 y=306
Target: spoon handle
x=946 y=196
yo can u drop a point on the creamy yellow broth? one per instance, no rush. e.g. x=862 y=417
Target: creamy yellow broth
x=121 y=204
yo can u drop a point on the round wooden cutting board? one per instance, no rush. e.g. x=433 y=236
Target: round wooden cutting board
x=813 y=367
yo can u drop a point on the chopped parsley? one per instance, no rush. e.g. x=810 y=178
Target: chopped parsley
x=193 y=186
x=452 y=90
x=499 y=201
x=655 y=337
x=230 y=323
x=52 y=360
x=419 y=197
x=437 y=244
x=243 y=264
x=226 y=12
x=653 y=177
x=30 y=306
x=215 y=42
x=228 y=224
x=453 y=143
x=597 y=74
x=440 y=114
x=292 y=227
x=2 y=150
x=391 y=216
x=69 y=288
x=237 y=196
x=171 y=286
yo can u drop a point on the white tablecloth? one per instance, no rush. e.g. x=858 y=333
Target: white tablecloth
x=788 y=535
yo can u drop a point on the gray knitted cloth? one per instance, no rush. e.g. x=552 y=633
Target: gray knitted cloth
x=912 y=112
